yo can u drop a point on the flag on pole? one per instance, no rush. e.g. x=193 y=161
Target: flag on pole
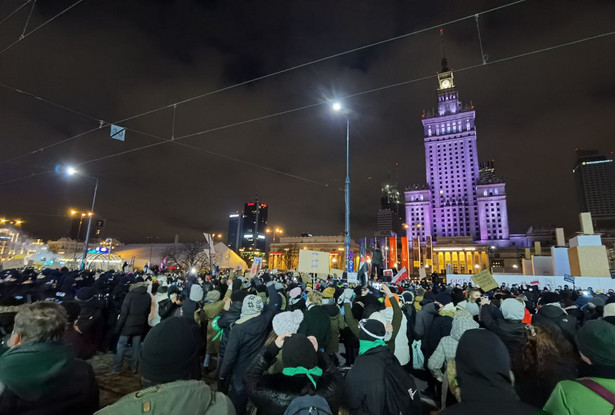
x=401 y=275
x=208 y=241
x=163 y=264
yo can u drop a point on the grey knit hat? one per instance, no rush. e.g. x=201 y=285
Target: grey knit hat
x=287 y=322
x=196 y=292
x=251 y=305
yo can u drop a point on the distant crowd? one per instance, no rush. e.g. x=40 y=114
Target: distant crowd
x=278 y=344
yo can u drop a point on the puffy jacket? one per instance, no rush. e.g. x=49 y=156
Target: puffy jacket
x=336 y=325
x=424 y=318
x=447 y=348
x=179 y=397
x=556 y=318
x=272 y=393
x=402 y=347
x=511 y=332
x=248 y=337
x=316 y=323
x=135 y=311
x=225 y=322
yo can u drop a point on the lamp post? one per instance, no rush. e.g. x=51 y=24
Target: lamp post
x=72 y=171
x=337 y=107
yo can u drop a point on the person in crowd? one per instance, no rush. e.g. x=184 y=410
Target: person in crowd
x=170 y=306
x=247 y=337
x=551 y=314
x=284 y=323
x=594 y=392
x=131 y=325
x=296 y=301
x=505 y=321
x=441 y=324
x=305 y=372
x=90 y=322
x=161 y=295
x=373 y=384
x=392 y=313
x=485 y=378
x=547 y=358
x=336 y=323
x=81 y=348
x=211 y=309
x=471 y=302
x=226 y=321
x=447 y=349
x=173 y=367
x=609 y=310
x=316 y=320
x=39 y=374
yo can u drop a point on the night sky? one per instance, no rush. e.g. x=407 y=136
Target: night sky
x=114 y=59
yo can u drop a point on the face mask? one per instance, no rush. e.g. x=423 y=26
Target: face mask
x=388 y=336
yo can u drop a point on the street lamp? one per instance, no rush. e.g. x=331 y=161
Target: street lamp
x=71 y=171
x=337 y=107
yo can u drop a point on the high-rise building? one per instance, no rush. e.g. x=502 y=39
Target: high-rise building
x=460 y=198
x=594 y=174
x=234 y=230
x=391 y=212
x=254 y=222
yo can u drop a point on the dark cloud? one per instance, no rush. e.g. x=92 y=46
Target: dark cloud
x=113 y=59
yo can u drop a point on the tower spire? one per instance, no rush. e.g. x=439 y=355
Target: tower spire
x=444 y=61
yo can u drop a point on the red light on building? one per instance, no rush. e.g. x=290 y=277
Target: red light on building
x=250 y=204
x=263 y=205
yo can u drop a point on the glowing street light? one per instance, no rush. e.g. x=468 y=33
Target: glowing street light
x=337 y=107
x=70 y=171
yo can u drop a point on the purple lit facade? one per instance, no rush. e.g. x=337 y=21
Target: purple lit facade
x=460 y=198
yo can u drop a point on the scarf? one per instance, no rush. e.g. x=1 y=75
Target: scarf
x=300 y=370
x=365 y=345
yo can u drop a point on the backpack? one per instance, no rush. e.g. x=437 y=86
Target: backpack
x=308 y=405
x=401 y=394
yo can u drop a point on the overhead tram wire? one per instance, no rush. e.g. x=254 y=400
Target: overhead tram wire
x=292 y=68
x=25 y=35
x=15 y=11
x=481 y=65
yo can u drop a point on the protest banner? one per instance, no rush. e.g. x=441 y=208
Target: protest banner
x=485 y=281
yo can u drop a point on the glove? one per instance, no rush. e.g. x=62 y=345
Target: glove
x=347 y=294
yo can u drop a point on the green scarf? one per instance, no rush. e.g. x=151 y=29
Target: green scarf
x=300 y=370
x=365 y=345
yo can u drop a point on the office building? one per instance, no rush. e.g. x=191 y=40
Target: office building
x=594 y=176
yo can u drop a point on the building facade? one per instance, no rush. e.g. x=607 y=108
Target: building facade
x=461 y=198
x=594 y=176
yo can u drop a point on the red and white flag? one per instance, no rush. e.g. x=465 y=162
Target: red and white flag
x=401 y=275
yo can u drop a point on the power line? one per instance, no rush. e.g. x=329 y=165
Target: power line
x=25 y=35
x=518 y=56
x=292 y=68
x=15 y=11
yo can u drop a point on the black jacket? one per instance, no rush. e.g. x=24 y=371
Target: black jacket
x=555 y=318
x=512 y=333
x=225 y=322
x=364 y=390
x=440 y=327
x=316 y=323
x=81 y=347
x=135 y=310
x=248 y=337
x=272 y=393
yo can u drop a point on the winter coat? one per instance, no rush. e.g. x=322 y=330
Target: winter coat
x=44 y=378
x=272 y=393
x=226 y=322
x=336 y=325
x=179 y=397
x=316 y=323
x=82 y=349
x=90 y=321
x=440 y=327
x=512 y=333
x=135 y=311
x=424 y=318
x=364 y=391
x=556 y=318
x=158 y=298
x=572 y=398
x=247 y=337
x=402 y=347
x=206 y=316
x=447 y=348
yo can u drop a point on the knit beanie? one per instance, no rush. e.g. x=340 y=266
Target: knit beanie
x=163 y=357
x=299 y=351
x=596 y=340
x=371 y=329
x=196 y=292
x=457 y=296
x=443 y=298
x=512 y=309
x=295 y=292
x=328 y=292
x=213 y=296
x=287 y=322
x=252 y=304
x=238 y=296
x=84 y=294
x=550 y=297
x=408 y=297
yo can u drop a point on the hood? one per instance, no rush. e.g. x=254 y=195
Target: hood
x=551 y=311
x=460 y=325
x=483 y=368
x=141 y=286
x=29 y=370
x=447 y=311
x=430 y=308
x=331 y=309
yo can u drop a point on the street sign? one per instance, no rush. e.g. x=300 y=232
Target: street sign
x=117 y=132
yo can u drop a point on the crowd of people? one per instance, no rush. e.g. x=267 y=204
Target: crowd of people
x=278 y=344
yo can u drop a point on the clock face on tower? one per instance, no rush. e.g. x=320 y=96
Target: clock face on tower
x=446 y=84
